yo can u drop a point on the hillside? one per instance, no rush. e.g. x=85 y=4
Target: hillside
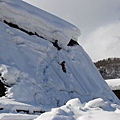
x=109 y=68
x=42 y=66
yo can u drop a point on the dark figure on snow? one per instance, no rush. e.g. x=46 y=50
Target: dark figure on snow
x=63 y=66
x=1 y=76
x=2 y=86
x=2 y=89
x=56 y=44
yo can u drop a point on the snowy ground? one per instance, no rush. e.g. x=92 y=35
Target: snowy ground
x=13 y=116
x=96 y=109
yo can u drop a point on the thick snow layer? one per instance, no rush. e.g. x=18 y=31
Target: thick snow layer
x=12 y=106
x=96 y=109
x=16 y=116
x=114 y=84
x=37 y=21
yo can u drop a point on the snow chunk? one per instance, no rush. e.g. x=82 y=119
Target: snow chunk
x=99 y=103
x=10 y=75
x=75 y=102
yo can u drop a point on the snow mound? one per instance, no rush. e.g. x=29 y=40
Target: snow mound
x=38 y=22
x=87 y=111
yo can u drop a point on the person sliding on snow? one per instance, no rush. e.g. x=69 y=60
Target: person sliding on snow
x=56 y=44
x=63 y=66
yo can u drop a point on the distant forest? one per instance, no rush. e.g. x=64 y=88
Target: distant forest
x=109 y=68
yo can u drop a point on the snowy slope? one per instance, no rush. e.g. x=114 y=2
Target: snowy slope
x=30 y=65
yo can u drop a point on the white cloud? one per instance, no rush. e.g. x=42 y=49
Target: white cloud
x=104 y=42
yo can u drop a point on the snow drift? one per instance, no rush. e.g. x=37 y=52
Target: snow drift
x=30 y=65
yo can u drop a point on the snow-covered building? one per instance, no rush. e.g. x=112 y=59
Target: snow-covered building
x=114 y=85
x=30 y=64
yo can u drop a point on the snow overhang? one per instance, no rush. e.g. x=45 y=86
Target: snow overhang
x=37 y=21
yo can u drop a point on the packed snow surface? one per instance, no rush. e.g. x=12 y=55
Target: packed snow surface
x=30 y=68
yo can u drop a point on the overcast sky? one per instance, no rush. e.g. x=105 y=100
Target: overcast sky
x=98 y=20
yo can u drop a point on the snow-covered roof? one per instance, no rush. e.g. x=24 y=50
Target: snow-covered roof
x=114 y=84
x=32 y=64
x=37 y=21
